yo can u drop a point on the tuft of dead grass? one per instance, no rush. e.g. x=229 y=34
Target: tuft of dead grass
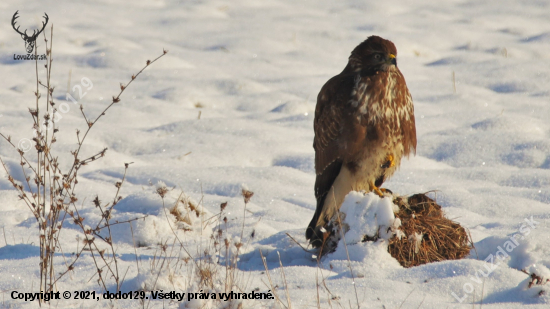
x=425 y=236
x=182 y=210
x=209 y=262
x=430 y=237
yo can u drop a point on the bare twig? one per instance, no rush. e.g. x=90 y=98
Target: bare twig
x=48 y=192
x=284 y=280
x=273 y=289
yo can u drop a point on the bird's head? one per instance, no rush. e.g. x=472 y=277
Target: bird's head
x=373 y=55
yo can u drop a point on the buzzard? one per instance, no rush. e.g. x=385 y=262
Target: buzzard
x=364 y=124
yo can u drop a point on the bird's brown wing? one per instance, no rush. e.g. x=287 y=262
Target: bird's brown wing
x=408 y=127
x=329 y=121
x=328 y=126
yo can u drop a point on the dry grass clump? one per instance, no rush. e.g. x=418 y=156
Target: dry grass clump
x=209 y=263
x=182 y=210
x=430 y=237
x=423 y=236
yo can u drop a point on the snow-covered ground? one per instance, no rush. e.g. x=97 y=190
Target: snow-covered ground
x=232 y=104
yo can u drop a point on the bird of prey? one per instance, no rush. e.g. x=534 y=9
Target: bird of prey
x=364 y=124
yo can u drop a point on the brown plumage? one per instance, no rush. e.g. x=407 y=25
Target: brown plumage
x=364 y=124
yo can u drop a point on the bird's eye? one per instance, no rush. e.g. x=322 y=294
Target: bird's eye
x=377 y=57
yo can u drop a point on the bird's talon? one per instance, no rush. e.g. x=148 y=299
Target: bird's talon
x=384 y=190
x=375 y=189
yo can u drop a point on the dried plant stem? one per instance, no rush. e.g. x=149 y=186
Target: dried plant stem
x=135 y=250
x=50 y=194
x=317 y=288
x=115 y=100
x=454 y=82
x=174 y=231
x=284 y=280
x=273 y=289
x=4 y=230
x=404 y=300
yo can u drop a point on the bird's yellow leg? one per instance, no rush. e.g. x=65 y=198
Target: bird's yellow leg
x=390 y=162
x=375 y=189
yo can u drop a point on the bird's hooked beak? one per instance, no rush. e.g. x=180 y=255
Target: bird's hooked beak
x=391 y=59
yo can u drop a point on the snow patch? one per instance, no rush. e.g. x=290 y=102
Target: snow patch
x=366 y=215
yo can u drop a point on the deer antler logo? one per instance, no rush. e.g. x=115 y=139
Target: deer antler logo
x=29 y=40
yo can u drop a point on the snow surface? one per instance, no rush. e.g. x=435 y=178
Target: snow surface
x=252 y=71
x=367 y=214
